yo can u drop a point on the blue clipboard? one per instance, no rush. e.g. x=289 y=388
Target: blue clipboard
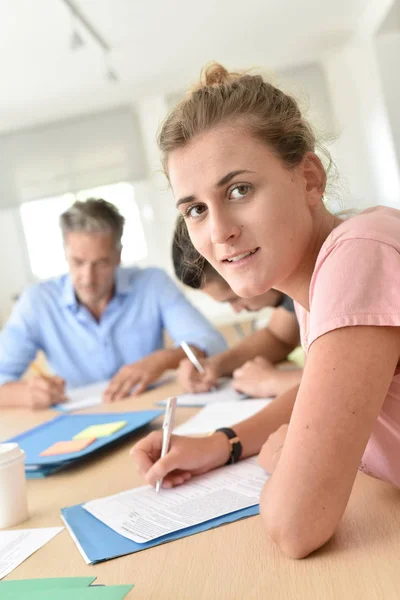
x=100 y=543
x=64 y=427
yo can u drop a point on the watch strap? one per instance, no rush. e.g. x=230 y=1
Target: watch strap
x=234 y=441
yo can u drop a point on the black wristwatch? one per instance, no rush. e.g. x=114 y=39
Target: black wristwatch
x=236 y=446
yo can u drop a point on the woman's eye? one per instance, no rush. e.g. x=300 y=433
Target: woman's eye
x=195 y=211
x=239 y=191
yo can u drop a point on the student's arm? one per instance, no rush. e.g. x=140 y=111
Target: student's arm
x=191 y=456
x=259 y=378
x=273 y=342
x=284 y=327
x=344 y=385
x=19 y=343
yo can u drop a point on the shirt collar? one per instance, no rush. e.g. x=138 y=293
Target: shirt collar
x=122 y=282
x=122 y=288
x=69 y=298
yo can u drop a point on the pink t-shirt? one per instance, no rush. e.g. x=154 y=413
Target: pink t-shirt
x=356 y=281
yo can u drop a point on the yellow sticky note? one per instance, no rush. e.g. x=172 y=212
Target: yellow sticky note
x=68 y=446
x=99 y=431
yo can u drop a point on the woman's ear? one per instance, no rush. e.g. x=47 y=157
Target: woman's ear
x=314 y=177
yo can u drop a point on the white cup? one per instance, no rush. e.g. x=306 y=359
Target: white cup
x=13 y=495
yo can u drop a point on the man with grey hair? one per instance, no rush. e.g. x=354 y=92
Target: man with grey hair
x=99 y=321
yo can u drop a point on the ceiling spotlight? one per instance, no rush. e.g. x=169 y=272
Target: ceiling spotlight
x=77 y=40
x=112 y=75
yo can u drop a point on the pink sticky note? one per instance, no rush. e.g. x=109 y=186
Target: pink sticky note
x=67 y=447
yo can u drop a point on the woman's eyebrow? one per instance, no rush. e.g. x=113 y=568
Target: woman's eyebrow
x=223 y=181
x=185 y=200
x=226 y=178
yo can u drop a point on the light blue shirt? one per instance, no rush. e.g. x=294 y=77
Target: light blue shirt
x=49 y=317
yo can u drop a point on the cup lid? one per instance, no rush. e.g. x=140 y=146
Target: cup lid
x=9 y=452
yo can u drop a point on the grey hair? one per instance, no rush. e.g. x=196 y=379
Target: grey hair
x=93 y=216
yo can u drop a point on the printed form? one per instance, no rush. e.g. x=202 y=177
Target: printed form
x=16 y=545
x=142 y=515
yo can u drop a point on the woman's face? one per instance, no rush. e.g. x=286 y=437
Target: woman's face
x=246 y=212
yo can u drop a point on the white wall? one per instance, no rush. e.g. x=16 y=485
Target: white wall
x=364 y=149
x=15 y=272
x=388 y=52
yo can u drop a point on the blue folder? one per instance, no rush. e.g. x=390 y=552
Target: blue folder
x=64 y=427
x=100 y=542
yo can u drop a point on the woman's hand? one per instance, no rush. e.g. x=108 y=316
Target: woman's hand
x=261 y=379
x=196 y=382
x=187 y=456
x=256 y=378
x=271 y=450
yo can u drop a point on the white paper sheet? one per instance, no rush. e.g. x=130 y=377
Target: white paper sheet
x=221 y=414
x=224 y=393
x=17 y=545
x=92 y=395
x=142 y=515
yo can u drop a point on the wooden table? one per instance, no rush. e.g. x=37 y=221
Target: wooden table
x=236 y=561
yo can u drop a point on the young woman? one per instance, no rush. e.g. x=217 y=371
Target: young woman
x=242 y=165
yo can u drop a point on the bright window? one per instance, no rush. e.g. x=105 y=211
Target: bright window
x=43 y=234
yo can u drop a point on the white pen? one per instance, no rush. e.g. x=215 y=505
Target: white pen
x=194 y=360
x=192 y=357
x=168 y=425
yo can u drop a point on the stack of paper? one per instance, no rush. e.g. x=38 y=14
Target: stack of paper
x=61 y=442
x=140 y=518
x=61 y=588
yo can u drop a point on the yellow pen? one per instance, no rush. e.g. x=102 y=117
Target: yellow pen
x=35 y=367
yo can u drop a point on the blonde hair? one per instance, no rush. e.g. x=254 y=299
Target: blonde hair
x=242 y=99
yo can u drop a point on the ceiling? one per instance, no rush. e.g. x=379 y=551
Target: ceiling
x=157 y=47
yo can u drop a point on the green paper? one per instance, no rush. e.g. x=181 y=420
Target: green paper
x=110 y=592
x=19 y=586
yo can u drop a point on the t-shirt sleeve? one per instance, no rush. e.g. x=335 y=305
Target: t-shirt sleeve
x=356 y=282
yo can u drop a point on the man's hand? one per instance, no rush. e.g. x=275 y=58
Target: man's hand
x=137 y=375
x=42 y=392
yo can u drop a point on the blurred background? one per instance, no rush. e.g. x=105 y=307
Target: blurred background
x=86 y=84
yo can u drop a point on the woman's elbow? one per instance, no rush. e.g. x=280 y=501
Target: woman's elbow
x=297 y=538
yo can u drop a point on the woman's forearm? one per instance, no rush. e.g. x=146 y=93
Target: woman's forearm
x=254 y=432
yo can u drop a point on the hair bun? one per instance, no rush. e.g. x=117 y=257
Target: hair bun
x=214 y=74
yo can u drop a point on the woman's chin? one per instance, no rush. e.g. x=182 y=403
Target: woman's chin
x=247 y=290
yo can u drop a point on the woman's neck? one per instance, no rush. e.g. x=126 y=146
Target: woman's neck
x=297 y=286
